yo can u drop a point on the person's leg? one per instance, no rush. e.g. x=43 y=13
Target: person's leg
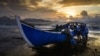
x=84 y=40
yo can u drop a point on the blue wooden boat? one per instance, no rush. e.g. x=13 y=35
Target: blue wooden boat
x=36 y=37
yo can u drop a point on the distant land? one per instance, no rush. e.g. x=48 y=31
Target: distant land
x=4 y=20
x=93 y=22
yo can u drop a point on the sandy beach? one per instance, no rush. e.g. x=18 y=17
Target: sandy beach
x=12 y=44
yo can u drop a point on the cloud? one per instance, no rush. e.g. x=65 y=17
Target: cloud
x=34 y=2
x=25 y=8
x=84 y=13
x=44 y=9
x=79 y=2
x=39 y=7
x=31 y=4
x=17 y=4
x=43 y=12
x=38 y=4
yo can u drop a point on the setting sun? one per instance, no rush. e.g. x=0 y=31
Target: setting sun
x=70 y=13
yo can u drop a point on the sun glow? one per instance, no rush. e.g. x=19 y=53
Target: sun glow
x=70 y=13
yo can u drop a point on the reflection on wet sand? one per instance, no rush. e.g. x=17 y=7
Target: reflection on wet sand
x=22 y=50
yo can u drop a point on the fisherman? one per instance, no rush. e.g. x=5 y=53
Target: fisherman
x=57 y=28
x=84 y=32
x=69 y=36
x=78 y=31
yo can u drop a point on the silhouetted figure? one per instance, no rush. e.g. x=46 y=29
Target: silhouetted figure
x=57 y=28
x=78 y=32
x=84 y=32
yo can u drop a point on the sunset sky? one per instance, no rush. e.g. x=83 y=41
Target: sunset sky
x=48 y=8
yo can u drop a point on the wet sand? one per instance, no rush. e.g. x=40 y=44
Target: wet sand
x=16 y=46
x=12 y=44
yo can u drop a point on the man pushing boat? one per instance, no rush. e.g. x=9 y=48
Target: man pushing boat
x=79 y=30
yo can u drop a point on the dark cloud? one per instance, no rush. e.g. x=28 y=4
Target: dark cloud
x=44 y=9
x=18 y=4
x=11 y=4
x=84 y=13
x=44 y=12
x=35 y=2
x=79 y=2
x=21 y=7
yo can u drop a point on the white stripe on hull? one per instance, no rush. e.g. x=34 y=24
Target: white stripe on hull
x=22 y=31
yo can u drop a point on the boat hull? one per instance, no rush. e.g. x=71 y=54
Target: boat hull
x=37 y=38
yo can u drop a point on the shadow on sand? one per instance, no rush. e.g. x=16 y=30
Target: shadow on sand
x=62 y=50
x=59 y=50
